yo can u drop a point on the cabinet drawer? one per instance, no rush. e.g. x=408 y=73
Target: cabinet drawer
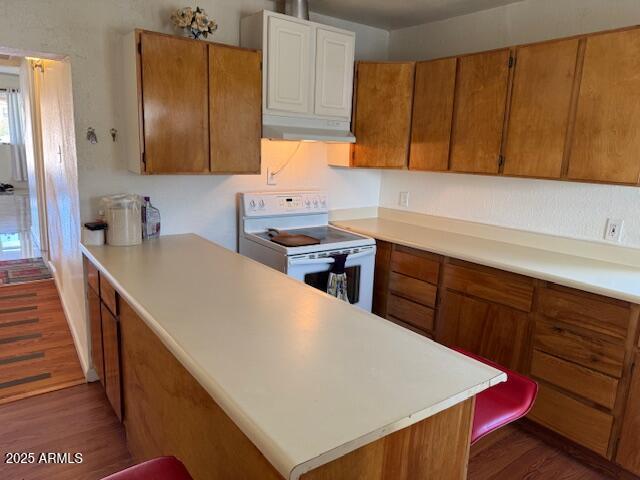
x=93 y=277
x=609 y=317
x=580 y=347
x=416 y=290
x=108 y=295
x=491 y=285
x=575 y=420
x=589 y=384
x=415 y=263
x=410 y=312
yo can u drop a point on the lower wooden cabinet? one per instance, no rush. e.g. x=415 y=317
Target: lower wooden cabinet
x=628 y=455
x=105 y=335
x=95 y=320
x=111 y=345
x=578 y=346
x=584 y=424
x=487 y=329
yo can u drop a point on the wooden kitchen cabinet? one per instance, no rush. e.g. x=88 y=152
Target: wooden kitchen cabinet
x=488 y=329
x=628 y=449
x=382 y=116
x=111 y=345
x=174 y=104
x=191 y=107
x=103 y=310
x=433 y=98
x=543 y=84
x=235 y=116
x=606 y=136
x=480 y=104
x=95 y=324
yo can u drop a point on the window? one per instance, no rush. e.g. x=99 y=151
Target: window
x=4 y=118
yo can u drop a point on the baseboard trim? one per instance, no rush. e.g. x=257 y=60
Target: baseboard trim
x=89 y=373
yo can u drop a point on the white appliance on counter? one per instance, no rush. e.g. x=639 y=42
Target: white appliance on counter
x=266 y=218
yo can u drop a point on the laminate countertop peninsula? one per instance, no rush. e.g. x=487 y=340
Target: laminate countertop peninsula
x=607 y=270
x=306 y=377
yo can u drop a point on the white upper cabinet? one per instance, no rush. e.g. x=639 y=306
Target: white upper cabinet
x=334 y=73
x=307 y=70
x=289 y=66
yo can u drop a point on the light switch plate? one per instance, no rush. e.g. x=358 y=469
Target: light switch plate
x=613 y=231
x=403 y=201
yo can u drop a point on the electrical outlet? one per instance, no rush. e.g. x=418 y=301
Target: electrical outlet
x=403 y=201
x=271 y=178
x=613 y=231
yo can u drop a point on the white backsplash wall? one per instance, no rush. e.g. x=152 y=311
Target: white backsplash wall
x=561 y=208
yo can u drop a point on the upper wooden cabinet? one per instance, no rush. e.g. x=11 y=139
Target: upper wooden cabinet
x=481 y=94
x=540 y=105
x=191 y=107
x=382 y=117
x=606 y=137
x=174 y=104
x=433 y=97
x=235 y=79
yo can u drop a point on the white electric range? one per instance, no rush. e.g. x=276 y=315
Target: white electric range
x=266 y=218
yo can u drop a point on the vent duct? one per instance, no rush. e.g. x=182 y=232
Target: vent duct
x=294 y=8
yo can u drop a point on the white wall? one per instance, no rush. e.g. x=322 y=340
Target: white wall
x=89 y=33
x=563 y=208
x=9 y=81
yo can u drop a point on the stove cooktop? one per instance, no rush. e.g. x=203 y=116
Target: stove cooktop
x=325 y=234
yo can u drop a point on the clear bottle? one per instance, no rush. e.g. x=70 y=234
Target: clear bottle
x=150 y=220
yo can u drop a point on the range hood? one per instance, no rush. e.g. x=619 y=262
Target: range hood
x=275 y=127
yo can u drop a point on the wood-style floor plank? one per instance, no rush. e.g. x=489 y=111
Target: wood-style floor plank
x=74 y=420
x=37 y=353
x=513 y=454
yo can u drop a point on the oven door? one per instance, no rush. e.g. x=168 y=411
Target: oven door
x=313 y=269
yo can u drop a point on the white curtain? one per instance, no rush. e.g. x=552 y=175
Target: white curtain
x=16 y=137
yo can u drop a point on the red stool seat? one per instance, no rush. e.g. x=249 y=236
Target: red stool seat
x=162 y=468
x=503 y=403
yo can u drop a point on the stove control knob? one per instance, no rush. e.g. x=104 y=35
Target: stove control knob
x=323 y=202
x=252 y=204
x=315 y=203
x=307 y=203
x=261 y=203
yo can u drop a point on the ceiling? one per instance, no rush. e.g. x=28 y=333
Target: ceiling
x=393 y=14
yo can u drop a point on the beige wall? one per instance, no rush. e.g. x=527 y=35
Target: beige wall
x=561 y=208
x=89 y=33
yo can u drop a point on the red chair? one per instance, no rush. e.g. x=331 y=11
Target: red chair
x=503 y=403
x=162 y=468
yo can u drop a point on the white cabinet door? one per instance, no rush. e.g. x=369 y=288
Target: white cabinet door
x=334 y=73
x=289 y=66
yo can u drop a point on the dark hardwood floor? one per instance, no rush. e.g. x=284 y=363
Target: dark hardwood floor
x=80 y=419
x=74 y=420
x=513 y=454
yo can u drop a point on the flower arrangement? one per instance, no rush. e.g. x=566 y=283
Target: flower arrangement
x=196 y=23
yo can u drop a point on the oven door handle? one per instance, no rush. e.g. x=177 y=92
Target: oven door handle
x=325 y=260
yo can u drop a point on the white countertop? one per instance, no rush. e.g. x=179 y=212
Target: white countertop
x=612 y=279
x=306 y=377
